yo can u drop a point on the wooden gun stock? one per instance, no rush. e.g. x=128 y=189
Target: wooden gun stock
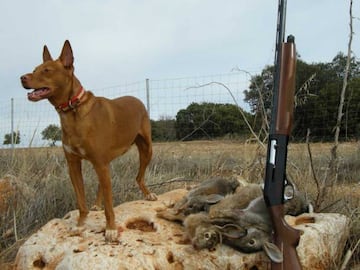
x=286 y=238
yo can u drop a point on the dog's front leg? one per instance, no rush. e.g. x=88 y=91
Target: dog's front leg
x=103 y=173
x=74 y=163
x=99 y=200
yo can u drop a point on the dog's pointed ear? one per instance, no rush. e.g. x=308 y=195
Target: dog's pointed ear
x=46 y=55
x=66 y=57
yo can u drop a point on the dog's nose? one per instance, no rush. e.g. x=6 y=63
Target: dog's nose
x=25 y=81
x=23 y=78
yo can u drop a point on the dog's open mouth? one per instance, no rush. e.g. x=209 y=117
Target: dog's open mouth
x=39 y=94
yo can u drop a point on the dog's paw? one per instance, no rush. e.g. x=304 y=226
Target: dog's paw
x=111 y=235
x=151 y=197
x=81 y=221
x=76 y=231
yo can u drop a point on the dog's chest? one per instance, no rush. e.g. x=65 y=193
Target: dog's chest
x=75 y=150
x=74 y=143
x=74 y=137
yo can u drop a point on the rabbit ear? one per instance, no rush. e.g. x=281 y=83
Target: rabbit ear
x=273 y=252
x=228 y=217
x=232 y=231
x=213 y=198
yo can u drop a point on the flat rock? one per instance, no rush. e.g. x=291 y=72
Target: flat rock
x=148 y=242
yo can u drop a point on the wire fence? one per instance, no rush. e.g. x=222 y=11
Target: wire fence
x=162 y=97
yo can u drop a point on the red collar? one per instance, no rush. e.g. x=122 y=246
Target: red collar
x=73 y=103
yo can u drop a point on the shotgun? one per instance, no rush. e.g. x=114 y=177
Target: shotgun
x=285 y=237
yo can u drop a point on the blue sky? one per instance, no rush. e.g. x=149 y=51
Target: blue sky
x=116 y=41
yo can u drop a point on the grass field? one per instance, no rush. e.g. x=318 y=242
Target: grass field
x=44 y=191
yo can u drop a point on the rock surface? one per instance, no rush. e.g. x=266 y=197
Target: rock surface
x=148 y=242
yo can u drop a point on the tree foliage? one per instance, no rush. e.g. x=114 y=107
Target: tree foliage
x=317 y=99
x=163 y=129
x=52 y=133
x=8 y=139
x=209 y=120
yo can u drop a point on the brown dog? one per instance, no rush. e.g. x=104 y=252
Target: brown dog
x=93 y=128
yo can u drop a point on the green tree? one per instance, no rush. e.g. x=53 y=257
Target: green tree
x=163 y=129
x=317 y=99
x=259 y=94
x=16 y=138
x=52 y=133
x=209 y=120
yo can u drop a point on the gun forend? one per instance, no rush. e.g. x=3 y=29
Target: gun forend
x=284 y=118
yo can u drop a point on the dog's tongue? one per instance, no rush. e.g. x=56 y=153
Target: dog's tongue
x=38 y=94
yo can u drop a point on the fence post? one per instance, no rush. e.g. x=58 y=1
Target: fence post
x=12 y=123
x=148 y=95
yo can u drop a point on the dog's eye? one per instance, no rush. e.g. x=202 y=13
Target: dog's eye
x=46 y=70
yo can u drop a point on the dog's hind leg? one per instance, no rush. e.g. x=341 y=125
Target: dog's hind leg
x=74 y=163
x=144 y=146
x=103 y=173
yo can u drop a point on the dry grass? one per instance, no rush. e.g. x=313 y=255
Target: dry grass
x=44 y=189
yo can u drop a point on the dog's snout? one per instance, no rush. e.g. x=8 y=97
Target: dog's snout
x=24 y=78
x=24 y=81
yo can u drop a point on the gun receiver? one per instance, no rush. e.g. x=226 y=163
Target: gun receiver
x=285 y=237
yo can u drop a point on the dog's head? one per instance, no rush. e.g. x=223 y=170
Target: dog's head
x=52 y=78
